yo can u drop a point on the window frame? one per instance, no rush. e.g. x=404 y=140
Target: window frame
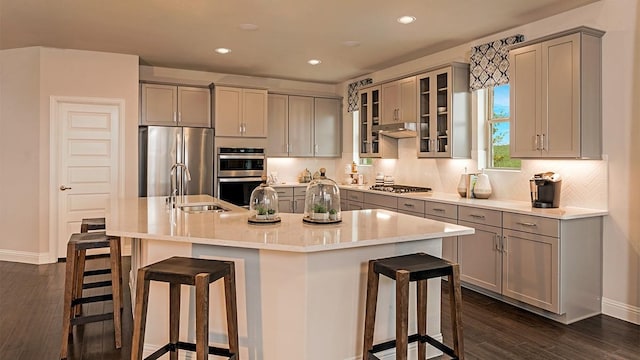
x=490 y=121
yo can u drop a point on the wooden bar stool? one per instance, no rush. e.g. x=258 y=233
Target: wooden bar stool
x=188 y=271
x=404 y=269
x=73 y=299
x=90 y=224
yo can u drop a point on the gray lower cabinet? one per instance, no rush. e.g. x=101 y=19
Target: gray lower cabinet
x=531 y=260
x=291 y=199
x=551 y=267
x=354 y=200
x=379 y=201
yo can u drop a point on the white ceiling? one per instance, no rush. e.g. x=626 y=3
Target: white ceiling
x=184 y=33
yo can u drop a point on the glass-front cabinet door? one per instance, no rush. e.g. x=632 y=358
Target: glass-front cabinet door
x=444 y=101
x=434 y=110
x=371 y=143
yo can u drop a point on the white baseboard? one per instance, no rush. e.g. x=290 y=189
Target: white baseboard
x=26 y=257
x=621 y=311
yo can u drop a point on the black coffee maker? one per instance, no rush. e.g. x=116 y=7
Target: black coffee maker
x=545 y=190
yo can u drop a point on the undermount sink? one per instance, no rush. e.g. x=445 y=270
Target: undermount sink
x=201 y=207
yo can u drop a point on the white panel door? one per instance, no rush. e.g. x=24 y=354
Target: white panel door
x=87 y=169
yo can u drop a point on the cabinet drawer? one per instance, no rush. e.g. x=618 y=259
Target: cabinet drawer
x=440 y=209
x=385 y=201
x=480 y=216
x=531 y=224
x=284 y=192
x=299 y=191
x=355 y=196
x=411 y=205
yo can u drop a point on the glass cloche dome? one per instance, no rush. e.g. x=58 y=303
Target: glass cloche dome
x=322 y=201
x=263 y=206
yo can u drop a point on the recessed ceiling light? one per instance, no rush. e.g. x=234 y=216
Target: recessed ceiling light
x=406 y=19
x=223 y=51
x=314 y=62
x=249 y=27
x=351 y=43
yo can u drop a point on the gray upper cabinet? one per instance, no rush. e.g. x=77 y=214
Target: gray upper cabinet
x=301 y=126
x=444 y=110
x=174 y=105
x=278 y=125
x=371 y=143
x=398 y=101
x=240 y=112
x=327 y=127
x=556 y=96
x=304 y=126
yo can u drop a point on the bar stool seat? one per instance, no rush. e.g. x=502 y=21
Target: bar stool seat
x=78 y=244
x=403 y=269
x=89 y=224
x=188 y=271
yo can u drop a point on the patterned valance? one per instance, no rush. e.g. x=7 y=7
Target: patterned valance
x=352 y=93
x=490 y=63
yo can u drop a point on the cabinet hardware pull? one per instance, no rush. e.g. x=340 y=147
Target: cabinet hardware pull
x=408 y=205
x=537 y=141
x=315 y=148
x=526 y=223
x=175 y=117
x=438 y=210
x=179 y=117
x=542 y=142
x=504 y=244
x=477 y=216
x=497 y=242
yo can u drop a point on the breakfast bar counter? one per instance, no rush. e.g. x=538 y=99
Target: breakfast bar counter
x=301 y=287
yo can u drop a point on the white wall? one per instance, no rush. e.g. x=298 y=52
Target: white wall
x=30 y=76
x=608 y=183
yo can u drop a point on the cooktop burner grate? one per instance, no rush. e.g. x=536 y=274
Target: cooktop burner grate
x=399 y=188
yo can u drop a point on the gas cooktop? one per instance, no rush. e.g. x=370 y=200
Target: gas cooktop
x=399 y=188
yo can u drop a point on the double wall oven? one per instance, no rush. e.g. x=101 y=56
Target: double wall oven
x=239 y=171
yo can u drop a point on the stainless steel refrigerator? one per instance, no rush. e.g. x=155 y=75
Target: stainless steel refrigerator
x=162 y=146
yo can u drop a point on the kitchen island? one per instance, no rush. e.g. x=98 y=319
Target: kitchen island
x=301 y=287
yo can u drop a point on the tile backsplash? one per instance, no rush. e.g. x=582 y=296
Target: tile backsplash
x=584 y=182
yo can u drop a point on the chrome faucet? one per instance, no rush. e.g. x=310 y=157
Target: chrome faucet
x=177 y=187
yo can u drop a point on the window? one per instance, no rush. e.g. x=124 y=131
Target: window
x=498 y=121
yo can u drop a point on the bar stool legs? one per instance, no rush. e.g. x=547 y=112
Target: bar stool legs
x=404 y=269
x=200 y=273
x=73 y=299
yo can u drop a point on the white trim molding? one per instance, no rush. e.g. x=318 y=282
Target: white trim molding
x=25 y=257
x=621 y=310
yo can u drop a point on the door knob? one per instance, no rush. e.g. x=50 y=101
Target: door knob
x=63 y=188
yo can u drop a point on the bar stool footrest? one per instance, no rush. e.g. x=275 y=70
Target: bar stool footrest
x=80 y=320
x=97 y=272
x=91 y=299
x=387 y=345
x=97 y=284
x=181 y=345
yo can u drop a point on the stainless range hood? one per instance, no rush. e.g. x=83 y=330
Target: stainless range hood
x=397 y=130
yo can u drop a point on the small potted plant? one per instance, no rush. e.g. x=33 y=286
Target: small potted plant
x=320 y=212
x=333 y=214
x=261 y=213
x=271 y=214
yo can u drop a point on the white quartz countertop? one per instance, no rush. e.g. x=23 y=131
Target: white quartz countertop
x=150 y=218
x=520 y=207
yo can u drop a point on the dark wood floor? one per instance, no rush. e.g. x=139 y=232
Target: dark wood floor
x=31 y=320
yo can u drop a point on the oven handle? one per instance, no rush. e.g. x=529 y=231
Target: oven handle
x=242 y=156
x=239 y=179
